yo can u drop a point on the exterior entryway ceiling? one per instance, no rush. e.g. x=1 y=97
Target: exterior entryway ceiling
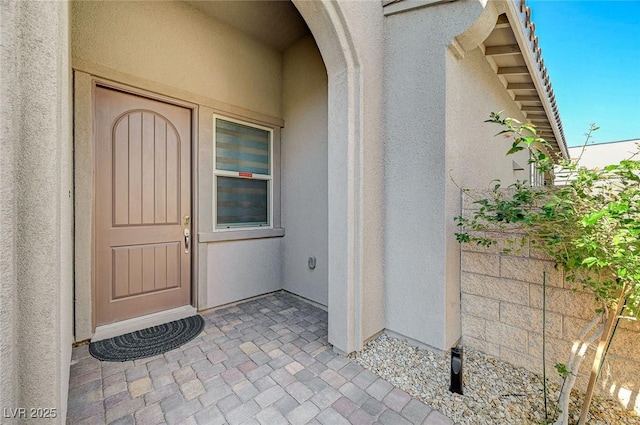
x=275 y=23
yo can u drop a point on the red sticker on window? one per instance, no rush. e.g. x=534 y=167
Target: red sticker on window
x=245 y=174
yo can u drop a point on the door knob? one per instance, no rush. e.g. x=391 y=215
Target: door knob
x=187 y=241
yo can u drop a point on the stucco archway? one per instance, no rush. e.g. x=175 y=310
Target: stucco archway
x=345 y=185
x=329 y=29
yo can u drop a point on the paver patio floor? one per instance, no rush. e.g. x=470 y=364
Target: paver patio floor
x=264 y=361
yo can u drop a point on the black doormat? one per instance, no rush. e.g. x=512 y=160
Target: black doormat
x=147 y=342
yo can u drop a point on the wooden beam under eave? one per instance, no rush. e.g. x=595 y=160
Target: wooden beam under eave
x=534 y=112
x=527 y=98
x=521 y=86
x=509 y=49
x=532 y=109
x=513 y=70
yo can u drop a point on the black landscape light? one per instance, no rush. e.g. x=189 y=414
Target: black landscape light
x=456 y=370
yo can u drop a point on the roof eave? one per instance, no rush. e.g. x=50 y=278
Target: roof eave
x=524 y=31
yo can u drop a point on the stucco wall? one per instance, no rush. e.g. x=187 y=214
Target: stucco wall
x=177 y=45
x=422 y=300
x=66 y=202
x=36 y=205
x=437 y=142
x=502 y=316
x=366 y=23
x=242 y=269
x=10 y=114
x=599 y=155
x=304 y=172
x=474 y=155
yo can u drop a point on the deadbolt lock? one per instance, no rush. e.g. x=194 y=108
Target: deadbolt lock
x=186 y=220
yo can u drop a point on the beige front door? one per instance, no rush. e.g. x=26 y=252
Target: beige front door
x=143 y=206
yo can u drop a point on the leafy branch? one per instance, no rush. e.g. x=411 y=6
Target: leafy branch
x=590 y=226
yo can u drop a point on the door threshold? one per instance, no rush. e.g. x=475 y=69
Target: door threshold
x=142 y=322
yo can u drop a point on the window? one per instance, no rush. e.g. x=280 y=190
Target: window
x=243 y=175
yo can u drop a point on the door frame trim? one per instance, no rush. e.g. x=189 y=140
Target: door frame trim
x=84 y=190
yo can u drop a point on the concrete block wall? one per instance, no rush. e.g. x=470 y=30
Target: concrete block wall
x=501 y=303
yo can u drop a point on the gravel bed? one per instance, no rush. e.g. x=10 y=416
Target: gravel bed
x=495 y=392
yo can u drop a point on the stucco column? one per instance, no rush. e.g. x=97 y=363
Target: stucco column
x=326 y=22
x=422 y=292
x=36 y=208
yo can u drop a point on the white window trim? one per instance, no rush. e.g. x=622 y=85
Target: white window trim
x=224 y=173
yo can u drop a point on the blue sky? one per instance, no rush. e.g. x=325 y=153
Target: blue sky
x=592 y=52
